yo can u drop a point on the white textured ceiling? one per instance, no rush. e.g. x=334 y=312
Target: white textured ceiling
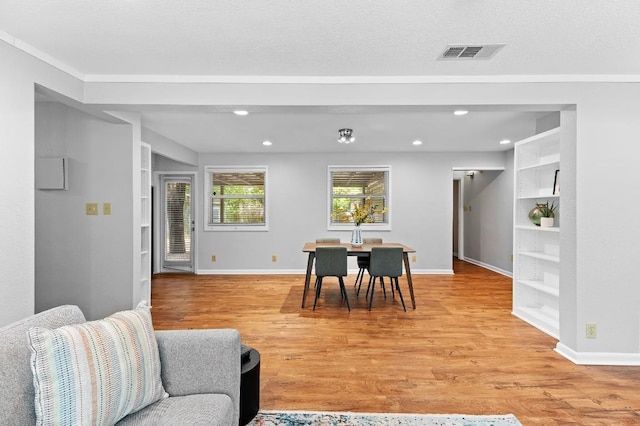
x=328 y=38
x=104 y=40
x=379 y=129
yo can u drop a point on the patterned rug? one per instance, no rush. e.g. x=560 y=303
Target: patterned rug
x=328 y=418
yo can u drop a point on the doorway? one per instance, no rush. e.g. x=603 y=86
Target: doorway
x=479 y=235
x=177 y=227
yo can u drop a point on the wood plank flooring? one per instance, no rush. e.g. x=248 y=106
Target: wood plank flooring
x=459 y=351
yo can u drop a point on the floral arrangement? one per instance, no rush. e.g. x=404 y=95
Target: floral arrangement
x=362 y=213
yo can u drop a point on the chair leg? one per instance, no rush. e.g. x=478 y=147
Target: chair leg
x=399 y=292
x=318 y=288
x=344 y=293
x=359 y=277
x=384 y=290
x=373 y=287
x=369 y=285
x=393 y=295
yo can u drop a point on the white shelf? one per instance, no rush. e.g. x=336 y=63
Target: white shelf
x=536 y=267
x=543 y=318
x=538 y=228
x=541 y=286
x=546 y=162
x=540 y=255
x=144 y=291
x=537 y=197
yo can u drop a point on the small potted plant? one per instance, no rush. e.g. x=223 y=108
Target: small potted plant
x=543 y=214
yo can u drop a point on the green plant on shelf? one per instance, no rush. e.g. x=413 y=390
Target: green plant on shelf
x=547 y=210
x=542 y=210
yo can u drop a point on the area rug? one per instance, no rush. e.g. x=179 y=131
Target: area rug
x=329 y=418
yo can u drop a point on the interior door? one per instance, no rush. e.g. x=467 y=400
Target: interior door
x=178 y=225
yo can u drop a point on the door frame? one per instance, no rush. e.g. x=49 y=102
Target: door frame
x=158 y=211
x=459 y=173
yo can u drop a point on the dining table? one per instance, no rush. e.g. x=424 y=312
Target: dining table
x=363 y=250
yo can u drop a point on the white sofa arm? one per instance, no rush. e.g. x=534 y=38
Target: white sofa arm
x=201 y=361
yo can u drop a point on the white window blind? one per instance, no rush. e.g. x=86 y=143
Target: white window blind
x=364 y=187
x=178 y=221
x=235 y=198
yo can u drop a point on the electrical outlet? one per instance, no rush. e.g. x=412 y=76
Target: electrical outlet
x=591 y=331
x=413 y=259
x=106 y=209
x=92 y=209
x=274 y=258
x=213 y=257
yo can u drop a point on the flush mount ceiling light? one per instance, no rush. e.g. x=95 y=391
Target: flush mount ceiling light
x=241 y=112
x=346 y=136
x=267 y=143
x=460 y=112
x=505 y=142
x=417 y=142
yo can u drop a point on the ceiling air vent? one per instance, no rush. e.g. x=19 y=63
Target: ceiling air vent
x=460 y=52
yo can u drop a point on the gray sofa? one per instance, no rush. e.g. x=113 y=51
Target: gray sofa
x=200 y=371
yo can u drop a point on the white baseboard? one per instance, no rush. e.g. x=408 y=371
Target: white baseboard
x=598 y=358
x=303 y=271
x=250 y=271
x=432 y=272
x=489 y=267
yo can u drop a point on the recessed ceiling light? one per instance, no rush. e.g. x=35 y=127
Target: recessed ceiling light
x=461 y=112
x=267 y=143
x=241 y=112
x=417 y=142
x=505 y=142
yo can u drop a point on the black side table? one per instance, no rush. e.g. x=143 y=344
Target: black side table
x=249 y=384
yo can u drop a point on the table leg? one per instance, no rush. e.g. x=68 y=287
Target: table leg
x=407 y=269
x=307 y=279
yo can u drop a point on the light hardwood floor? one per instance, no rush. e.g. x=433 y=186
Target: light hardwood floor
x=459 y=351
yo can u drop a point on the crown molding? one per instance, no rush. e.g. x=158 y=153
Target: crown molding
x=40 y=55
x=332 y=80
x=364 y=79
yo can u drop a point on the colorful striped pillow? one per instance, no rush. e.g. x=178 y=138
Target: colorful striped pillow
x=96 y=372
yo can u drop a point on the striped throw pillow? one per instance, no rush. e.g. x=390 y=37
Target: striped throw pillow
x=98 y=372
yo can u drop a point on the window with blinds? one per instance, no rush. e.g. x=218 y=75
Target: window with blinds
x=365 y=188
x=235 y=198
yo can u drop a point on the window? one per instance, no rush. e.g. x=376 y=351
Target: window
x=364 y=187
x=235 y=198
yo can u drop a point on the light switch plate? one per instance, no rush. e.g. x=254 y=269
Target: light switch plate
x=92 y=208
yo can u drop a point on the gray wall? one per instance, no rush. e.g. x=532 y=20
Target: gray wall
x=421 y=209
x=82 y=259
x=488 y=226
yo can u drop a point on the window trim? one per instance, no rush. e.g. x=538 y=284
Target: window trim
x=365 y=226
x=207 y=201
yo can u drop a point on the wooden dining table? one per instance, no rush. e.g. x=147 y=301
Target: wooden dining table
x=363 y=251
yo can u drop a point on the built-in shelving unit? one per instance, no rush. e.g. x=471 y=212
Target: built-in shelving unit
x=145 y=222
x=536 y=268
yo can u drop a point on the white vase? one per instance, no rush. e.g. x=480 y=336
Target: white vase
x=546 y=222
x=356 y=236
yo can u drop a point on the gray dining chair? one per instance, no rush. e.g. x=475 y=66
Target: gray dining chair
x=327 y=240
x=386 y=262
x=331 y=262
x=363 y=262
